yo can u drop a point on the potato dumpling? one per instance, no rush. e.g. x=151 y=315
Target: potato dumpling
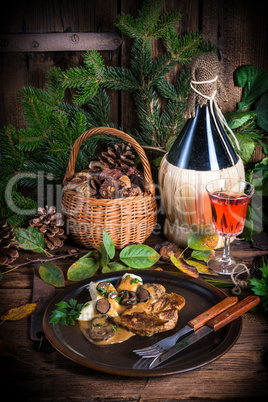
x=129 y=282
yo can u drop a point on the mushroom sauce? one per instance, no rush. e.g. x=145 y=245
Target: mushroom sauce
x=108 y=301
x=119 y=336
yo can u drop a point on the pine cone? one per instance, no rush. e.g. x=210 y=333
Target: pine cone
x=117 y=157
x=50 y=224
x=8 y=246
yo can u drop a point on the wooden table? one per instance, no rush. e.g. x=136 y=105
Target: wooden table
x=239 y=375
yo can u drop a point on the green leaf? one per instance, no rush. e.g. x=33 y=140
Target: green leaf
x=108 y=244
x=255 y=82
x=52 y=274
x=247 y=147
x=104 y=257
x=262 y=112
x=139 y=256
x=30 y=239
x=238 y=119
x=260 y=177
x=105 y=269
x=260 y=288
x=198 y=241
x=82 y=269
x=116 y=266
x=66 y=313
x=203 y=255
x=63 y=304
x=92 y=253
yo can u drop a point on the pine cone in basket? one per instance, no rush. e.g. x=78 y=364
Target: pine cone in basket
x=51 y=225
x=117 y=157
x=8 y=246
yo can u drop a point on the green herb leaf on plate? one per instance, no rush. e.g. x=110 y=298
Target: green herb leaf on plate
x=66 y=313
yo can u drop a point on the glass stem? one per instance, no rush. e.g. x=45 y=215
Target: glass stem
x=226 y=250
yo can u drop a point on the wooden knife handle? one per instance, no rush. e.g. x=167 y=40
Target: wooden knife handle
x=233 y=312
x=212 y=312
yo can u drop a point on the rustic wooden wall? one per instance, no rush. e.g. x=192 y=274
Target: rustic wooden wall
x=237 y=27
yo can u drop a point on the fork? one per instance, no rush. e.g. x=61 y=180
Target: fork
x=143 y=364
x=197 y=322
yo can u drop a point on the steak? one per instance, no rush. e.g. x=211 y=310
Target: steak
x=152 y=316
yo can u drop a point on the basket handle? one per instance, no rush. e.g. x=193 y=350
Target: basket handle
x=70 y=171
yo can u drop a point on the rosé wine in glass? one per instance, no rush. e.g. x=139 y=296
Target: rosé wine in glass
x=229 y=212
x=229 y=199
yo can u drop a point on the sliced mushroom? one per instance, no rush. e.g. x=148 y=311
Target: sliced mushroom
x=143 y=294
x=156 y=290
x=127 y=297
x=100 y=329
x=102 y=306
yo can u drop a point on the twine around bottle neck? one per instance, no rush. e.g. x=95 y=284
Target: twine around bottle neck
x=213 y=102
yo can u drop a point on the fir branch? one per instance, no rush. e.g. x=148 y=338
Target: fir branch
x=167 y=23
x=94 y=63
x=11 y=156
x=161 y=68
x=100 y=109
x=129 y=26
x=30 y=139
x=183 y=48
x=77 y=77
x=54 y=86
x=119 y=79
x=148 y=17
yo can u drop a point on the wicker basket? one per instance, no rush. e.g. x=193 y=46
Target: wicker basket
x=126 y=220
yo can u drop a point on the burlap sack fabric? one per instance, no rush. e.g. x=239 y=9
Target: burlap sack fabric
x=204 y=67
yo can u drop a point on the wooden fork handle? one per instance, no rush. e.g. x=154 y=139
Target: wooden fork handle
x=212 y=312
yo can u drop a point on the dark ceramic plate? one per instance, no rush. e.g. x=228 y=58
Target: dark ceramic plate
x=119 y=358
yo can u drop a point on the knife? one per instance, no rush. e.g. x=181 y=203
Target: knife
x=213 y=325
x=191 y=326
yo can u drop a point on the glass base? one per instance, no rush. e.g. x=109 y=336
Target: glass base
x=224 y=267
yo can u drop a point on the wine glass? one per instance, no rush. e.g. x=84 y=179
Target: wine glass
x=229 y=199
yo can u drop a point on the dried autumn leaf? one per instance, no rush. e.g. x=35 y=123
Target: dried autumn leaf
x=17 y=313
x=197 y=240
x=184 y=266
x=201 y=268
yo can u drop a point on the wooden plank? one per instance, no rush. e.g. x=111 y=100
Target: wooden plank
x=30 y=68
x=59 y=42
x=238 y=29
